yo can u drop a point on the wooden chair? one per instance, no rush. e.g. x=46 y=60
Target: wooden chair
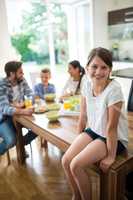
x=130 y=99
x=35 y=77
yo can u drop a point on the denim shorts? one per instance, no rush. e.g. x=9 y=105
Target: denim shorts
x=94 y=136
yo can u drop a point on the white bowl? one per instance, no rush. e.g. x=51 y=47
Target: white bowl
x=52 y=116
x=49 y=97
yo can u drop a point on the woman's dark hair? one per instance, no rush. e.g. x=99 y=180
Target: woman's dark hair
x=103 y=53
x=76 y=64
x=12 y=66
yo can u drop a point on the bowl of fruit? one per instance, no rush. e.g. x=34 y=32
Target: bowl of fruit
x=52 y=116
x=49 y=97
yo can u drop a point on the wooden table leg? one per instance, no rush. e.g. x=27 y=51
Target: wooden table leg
x=20 y=143
x=113 y=183
x=44 y=143
x=104 y=186
x=109 y=186
x=8 y=157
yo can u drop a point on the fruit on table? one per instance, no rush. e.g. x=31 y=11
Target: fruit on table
x=52 y=116
x=67 y=105
x=49 y=96
x=73 y=103
x=53 y=106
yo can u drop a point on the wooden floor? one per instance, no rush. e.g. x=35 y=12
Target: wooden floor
x=42 y=177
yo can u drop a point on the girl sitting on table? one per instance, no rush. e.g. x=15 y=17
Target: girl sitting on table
x=44 y=87
x=102 y=127
x=75 y=82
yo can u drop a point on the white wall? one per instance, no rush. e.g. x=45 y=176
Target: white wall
x=99 y=23
x=78 y=21
x=119 y=4
x=71 y=28
x=5 y=44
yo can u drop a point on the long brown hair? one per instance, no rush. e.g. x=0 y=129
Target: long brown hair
x=76 y=64
x=103 y=53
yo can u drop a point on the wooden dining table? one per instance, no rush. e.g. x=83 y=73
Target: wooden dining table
x=60 y=133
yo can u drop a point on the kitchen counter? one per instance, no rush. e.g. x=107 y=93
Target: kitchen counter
x=124 y=73
x=122 y=65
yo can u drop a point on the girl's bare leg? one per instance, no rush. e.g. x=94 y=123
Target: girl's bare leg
x=92 y=153
x=77 y=146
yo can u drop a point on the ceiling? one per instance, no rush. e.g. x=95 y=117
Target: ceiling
x=67 y=1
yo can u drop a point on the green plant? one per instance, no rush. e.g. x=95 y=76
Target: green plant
x=32 y=42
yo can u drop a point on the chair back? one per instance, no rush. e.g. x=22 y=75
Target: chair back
x=130 y=99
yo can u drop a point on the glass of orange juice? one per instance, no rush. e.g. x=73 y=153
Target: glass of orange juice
x=37 y=100
x=28 y=102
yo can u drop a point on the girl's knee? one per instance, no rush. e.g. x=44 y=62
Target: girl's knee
x=74 y=166
x=65 y=161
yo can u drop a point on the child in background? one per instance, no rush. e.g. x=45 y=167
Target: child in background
x=102 y=127
x=75 y=82
x=44 y=87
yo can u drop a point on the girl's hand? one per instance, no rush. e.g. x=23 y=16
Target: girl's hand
x=106 y=163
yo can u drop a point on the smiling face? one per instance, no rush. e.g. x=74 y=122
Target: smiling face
x=45 y=77
x=74 y=72
x=17 y=76
x=98 y=70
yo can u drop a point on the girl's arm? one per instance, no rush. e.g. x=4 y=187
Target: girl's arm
x=112 y=124
x=83 y=116
x=65 y=91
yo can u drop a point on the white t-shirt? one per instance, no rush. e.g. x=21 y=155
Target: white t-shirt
x=71 y=86
x=97 y=109
x=16 y=93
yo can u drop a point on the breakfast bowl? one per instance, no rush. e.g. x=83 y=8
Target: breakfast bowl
x=49 y=97
x=53 y=106
x=52 y=116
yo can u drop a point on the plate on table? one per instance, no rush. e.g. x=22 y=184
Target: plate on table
x=71 y=106
x=68 y=112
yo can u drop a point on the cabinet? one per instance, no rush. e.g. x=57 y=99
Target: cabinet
x=121 y=16
x=120 y=32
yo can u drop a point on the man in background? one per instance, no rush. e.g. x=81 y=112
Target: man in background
x=13 y=89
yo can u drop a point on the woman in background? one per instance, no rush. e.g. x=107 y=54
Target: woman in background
x=75 y=82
